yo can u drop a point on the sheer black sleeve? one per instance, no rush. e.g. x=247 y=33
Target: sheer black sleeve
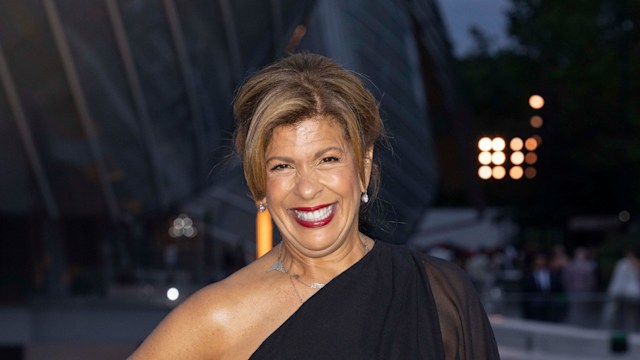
x=466 y=331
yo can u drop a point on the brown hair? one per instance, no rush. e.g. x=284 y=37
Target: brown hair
x=296 y=88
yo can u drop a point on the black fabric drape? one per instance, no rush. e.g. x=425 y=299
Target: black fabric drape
x=392 y=304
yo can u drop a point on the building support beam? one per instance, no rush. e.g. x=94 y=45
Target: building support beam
x=82 y=107
x=133 y=79
x=186 y=71
x=24 y=131
x=233 y=42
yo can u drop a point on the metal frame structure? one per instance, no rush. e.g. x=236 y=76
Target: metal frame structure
x=82 y=107
x=139 y=101
x=22 y=123
x=235 y=56
x=186 y=72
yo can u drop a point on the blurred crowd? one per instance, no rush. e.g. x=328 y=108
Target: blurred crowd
x=576 y=287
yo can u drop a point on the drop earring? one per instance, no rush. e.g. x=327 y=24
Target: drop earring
x=365 y=198
x=261 y=207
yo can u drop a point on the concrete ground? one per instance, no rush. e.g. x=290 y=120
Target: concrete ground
x=102 y=330
x=531 y=340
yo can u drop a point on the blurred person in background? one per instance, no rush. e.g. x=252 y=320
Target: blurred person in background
x=623 y=309
x=542 y=291
x=306 y=130
x=580 y=281
x=559 y=258
x=479 y=268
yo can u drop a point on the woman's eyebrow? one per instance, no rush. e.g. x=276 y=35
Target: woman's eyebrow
x=320 y=153
x=280 y=158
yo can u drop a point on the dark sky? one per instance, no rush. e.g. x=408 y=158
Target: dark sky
x=488 y=15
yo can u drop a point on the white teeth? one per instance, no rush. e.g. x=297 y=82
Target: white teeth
x=317 y=215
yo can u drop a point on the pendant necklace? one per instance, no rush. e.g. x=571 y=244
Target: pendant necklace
x=296 y=290
x=279 y=266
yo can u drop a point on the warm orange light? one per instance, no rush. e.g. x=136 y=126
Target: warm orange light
x=264 y=233
x=531 y=144
x=530 y=172
x=536 y=102
x=484 y=158
x=517 y=157
x=516 y=172
x=536 y=121
x=484 y=172
x=484 y=144
x=516 y=144
x=498 y=158
x=531 y=158
x=498 y=172
x=538 y=139
x=498 y=144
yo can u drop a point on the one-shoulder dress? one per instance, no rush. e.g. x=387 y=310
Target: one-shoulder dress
x=394 y=303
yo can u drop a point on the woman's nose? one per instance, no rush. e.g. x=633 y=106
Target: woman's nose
x=308 y=185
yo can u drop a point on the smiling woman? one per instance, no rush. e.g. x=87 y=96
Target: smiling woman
x=313 y=189
x=300 y=88
x=306 y=132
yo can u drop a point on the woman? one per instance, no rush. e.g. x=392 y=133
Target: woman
x=623 y=310
x=306 y=133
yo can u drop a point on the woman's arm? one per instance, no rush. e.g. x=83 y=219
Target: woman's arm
x=466 y=331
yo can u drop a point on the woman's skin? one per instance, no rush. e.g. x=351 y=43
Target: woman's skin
x=313 y=194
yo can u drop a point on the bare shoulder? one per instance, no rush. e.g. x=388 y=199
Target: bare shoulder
x=209 y=324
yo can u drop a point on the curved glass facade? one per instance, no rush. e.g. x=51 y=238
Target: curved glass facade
x=116 y=118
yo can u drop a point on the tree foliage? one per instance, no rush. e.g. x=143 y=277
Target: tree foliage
x=583 y=57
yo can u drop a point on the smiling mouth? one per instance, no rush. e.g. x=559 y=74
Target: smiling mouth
x=314 y=217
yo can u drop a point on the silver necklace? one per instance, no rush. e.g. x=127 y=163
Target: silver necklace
x=296 y=290
x=279 y=266
x=313 y=285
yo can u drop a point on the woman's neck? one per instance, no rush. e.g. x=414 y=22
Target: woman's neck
x=321 y=270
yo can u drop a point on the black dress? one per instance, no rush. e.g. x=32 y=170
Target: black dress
x=392 y=304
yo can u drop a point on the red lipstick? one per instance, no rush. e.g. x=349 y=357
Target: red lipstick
x=313 y=224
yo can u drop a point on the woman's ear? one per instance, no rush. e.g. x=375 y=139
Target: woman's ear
x=368 y=164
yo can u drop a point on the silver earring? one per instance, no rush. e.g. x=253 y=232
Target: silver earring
x=365 y=198
x=261 y=207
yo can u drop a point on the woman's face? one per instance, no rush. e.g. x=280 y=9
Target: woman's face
x=313 y=189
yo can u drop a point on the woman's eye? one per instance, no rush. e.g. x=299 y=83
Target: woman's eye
x=279 y=167
x=330 y=159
